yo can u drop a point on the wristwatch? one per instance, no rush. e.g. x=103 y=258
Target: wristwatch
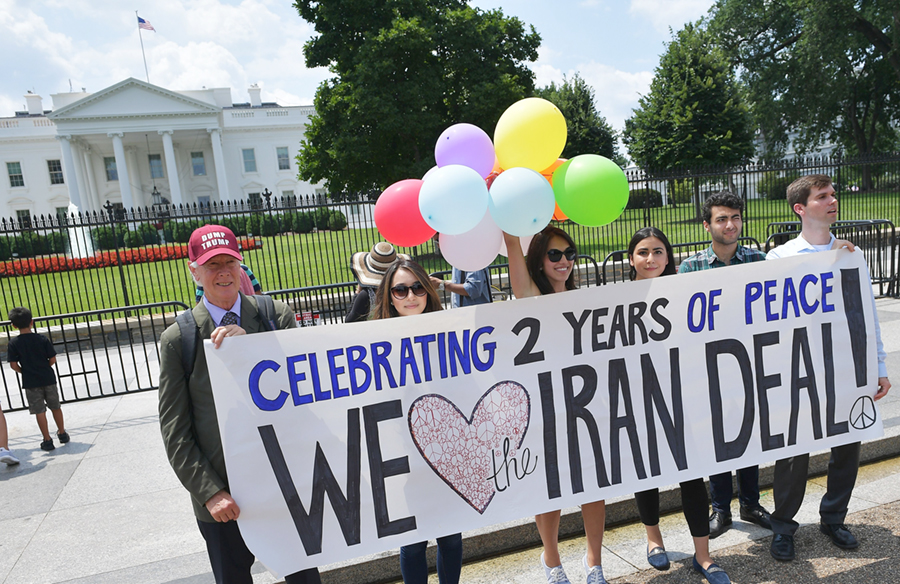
x=440 y=286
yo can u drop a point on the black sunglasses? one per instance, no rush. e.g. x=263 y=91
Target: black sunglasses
x=401 y=291
x=554 y=255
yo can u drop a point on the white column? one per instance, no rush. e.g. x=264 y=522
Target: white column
x=122 y=170
x=137 y=189
x=69 y=171
x=91 y=198
x=219 y=161
x=174 y=181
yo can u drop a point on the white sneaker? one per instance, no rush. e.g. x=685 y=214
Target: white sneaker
x=594 y=574
x=7 y=457
x=554 y=575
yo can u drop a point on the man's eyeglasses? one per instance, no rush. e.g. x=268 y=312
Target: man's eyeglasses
x=401 y=291
x=554 y=255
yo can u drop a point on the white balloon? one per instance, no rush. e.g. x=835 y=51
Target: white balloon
x=475 y=249
x=524 y=242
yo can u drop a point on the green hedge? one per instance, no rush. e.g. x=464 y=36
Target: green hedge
x=644 y=198
x=774 y=187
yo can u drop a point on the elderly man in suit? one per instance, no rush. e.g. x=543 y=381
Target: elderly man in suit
x=187 y=412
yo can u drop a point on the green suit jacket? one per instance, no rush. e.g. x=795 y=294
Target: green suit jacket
x=187 y=411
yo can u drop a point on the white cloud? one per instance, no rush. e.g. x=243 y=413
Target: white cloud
x=663 y=14
x=616 y=92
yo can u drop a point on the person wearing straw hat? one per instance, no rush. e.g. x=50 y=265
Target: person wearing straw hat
x=369 y=268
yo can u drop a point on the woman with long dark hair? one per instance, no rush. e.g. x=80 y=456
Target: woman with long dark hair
x=650 y=256
x=406 y=290
x=549 y=269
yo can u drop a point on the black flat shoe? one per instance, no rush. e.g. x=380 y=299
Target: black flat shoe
x=757 y=515
x=658 y=558
x=718 y=524
x=782 y=547
x=840 y=535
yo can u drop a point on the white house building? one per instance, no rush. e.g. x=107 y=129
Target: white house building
x=129 y=141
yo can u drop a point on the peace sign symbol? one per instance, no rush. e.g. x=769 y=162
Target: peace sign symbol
x=863 y=413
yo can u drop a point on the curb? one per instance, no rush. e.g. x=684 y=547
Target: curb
x=512 y=536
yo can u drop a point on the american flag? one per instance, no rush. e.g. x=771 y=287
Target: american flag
x=145 y=24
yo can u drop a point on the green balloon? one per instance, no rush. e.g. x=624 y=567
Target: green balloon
x=591 y=190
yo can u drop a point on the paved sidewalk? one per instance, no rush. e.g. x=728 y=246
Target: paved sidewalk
x=107 y=508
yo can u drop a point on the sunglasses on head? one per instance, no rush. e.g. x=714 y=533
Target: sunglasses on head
x=554 y=255
x=401 y=291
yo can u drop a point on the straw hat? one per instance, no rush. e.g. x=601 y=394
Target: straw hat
x=369 y=266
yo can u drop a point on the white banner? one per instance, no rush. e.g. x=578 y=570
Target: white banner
x=348 y=440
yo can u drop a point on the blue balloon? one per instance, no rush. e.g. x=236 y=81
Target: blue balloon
x=521 y=201
x=453 y=199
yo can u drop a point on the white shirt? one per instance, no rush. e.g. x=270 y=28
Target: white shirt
x=798 y=246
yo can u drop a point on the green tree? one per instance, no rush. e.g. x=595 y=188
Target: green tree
x=694 y=114
x=588 y=132
x=816 y=71
x=404 y=70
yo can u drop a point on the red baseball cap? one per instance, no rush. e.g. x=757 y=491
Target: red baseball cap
x=212 y=240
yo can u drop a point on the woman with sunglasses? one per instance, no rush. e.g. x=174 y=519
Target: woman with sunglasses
x=406 y=290
x=650 y=256
x=548 y=269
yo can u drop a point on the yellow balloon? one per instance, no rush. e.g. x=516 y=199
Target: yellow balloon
x=530 y=133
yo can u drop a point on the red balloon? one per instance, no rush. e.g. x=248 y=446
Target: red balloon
x=397 y=215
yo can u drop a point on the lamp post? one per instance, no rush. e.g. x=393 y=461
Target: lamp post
x=268 y=196
x=108 y=207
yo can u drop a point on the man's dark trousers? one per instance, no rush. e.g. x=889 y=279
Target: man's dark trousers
x=231 y=560
x=791 y=475
x=720 y=489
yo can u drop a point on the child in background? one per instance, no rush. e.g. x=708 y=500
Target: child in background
x=33 y=356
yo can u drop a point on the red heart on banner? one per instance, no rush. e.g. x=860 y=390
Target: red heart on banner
x=460 y=449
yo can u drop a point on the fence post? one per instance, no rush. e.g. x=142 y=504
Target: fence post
x=112 y=225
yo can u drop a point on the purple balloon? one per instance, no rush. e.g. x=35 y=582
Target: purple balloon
x=466 y=145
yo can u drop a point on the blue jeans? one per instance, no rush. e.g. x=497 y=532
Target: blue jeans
x=720 y=489
x=414 y=566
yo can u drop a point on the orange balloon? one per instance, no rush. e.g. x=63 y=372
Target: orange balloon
x=489 y=180
x=547 y=173
x=497 y=168
x=558 y=215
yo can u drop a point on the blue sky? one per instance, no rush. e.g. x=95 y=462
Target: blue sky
x=614 y=45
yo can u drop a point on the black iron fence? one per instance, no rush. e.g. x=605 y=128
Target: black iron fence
x=102 y=273
x=99 y=353
x=114 y=258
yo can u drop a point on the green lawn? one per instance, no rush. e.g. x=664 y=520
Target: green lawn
x=321 y=258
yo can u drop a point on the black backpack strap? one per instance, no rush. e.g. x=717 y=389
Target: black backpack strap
x=190 y=334
x=266 y=307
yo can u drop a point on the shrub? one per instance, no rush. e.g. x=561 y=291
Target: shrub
x=105 y=238
x=644 y=198
x=302 y=222
x=134 y=239
x=5 y=249
x=336 y=221
x=238 y=225
x=321 y=218
x=266 y=225
x=682 y=191
x=56 y=242
x=774 y=187
x=149 y=234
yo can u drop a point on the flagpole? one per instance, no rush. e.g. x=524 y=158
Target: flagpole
x=142 y=48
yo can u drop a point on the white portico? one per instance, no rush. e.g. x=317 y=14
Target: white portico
x=135 y=144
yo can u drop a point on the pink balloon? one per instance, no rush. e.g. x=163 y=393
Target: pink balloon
x=475 y=249
x=397 y=215
x=523 y=241
x=467 y=145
